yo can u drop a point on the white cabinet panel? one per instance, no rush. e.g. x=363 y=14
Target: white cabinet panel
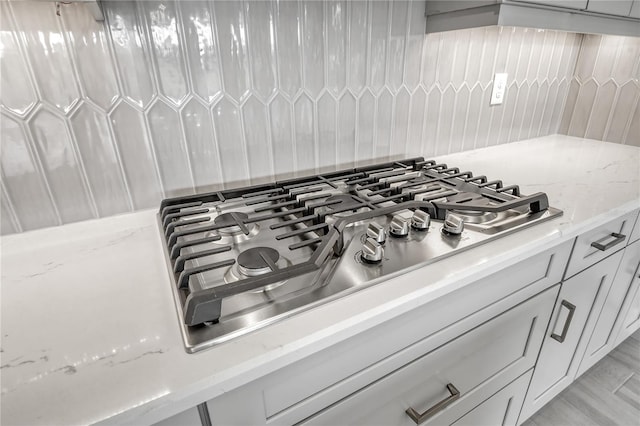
x=477 y=364
x=502 y=408
x=611 y=7
x=628 y=320
x=602 y=339
x=555 y=369
x=190 y=417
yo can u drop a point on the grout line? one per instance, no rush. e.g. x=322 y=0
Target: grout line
x=633 y=110
x=35 y=156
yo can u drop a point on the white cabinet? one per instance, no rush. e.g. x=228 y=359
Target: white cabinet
x=601 y=340
x=443 y=385
x=563 y=15
x=611 y=7
x=570 y=4
x=558 y=360
x=628 y=320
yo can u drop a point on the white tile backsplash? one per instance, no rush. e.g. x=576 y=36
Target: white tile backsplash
x=603 y=101
x=167 y=98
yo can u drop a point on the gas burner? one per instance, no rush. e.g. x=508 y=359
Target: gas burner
x=254 y=262
x=233 y=233
x=470 y=215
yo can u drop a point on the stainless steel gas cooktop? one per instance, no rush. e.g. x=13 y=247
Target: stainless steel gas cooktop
x=241 y=259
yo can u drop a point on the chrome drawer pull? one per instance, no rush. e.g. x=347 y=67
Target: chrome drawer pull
x=617 y=238
x=572 y=308
x=420 y=418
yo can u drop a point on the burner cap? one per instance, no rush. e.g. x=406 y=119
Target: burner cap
x=227 y=218
x=344 y=201
x=252 y=259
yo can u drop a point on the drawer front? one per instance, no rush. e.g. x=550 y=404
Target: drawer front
x=502 y=408
x=310 y=377
x=602 y=340
x=477 y=364
x=595 y=245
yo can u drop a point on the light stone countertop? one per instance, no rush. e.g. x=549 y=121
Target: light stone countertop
x=90 y=331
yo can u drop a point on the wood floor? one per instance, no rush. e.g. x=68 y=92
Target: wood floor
x=607 y=394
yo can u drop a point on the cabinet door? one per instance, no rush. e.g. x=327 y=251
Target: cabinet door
x=629 y=318
x=571 y=4
x=611 y=7
x=602 y=339
x=554 y=370
x=502 y=408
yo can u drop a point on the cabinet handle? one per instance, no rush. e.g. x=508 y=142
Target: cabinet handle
x=420 y=418
x=572 y=308
x=617 y=239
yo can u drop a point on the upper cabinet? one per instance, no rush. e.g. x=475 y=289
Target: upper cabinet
x=570 y=4
x=612 y=7
x=620 y=17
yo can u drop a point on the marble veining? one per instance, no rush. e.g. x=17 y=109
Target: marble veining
x=87 y=307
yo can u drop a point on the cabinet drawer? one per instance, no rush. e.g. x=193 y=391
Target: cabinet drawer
x=477 y=364
x=595 y=245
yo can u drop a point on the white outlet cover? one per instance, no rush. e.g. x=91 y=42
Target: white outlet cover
x=499 y=88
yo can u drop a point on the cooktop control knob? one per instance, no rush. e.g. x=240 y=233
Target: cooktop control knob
x=453 y=224
x=420 y=220
x=376 y=232
x=372 y=251
x=399 y=226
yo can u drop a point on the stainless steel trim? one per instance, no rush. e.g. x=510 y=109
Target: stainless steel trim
x=422 y=417
x=617 y=239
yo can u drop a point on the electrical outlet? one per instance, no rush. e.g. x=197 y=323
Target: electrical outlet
x=499 y=87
